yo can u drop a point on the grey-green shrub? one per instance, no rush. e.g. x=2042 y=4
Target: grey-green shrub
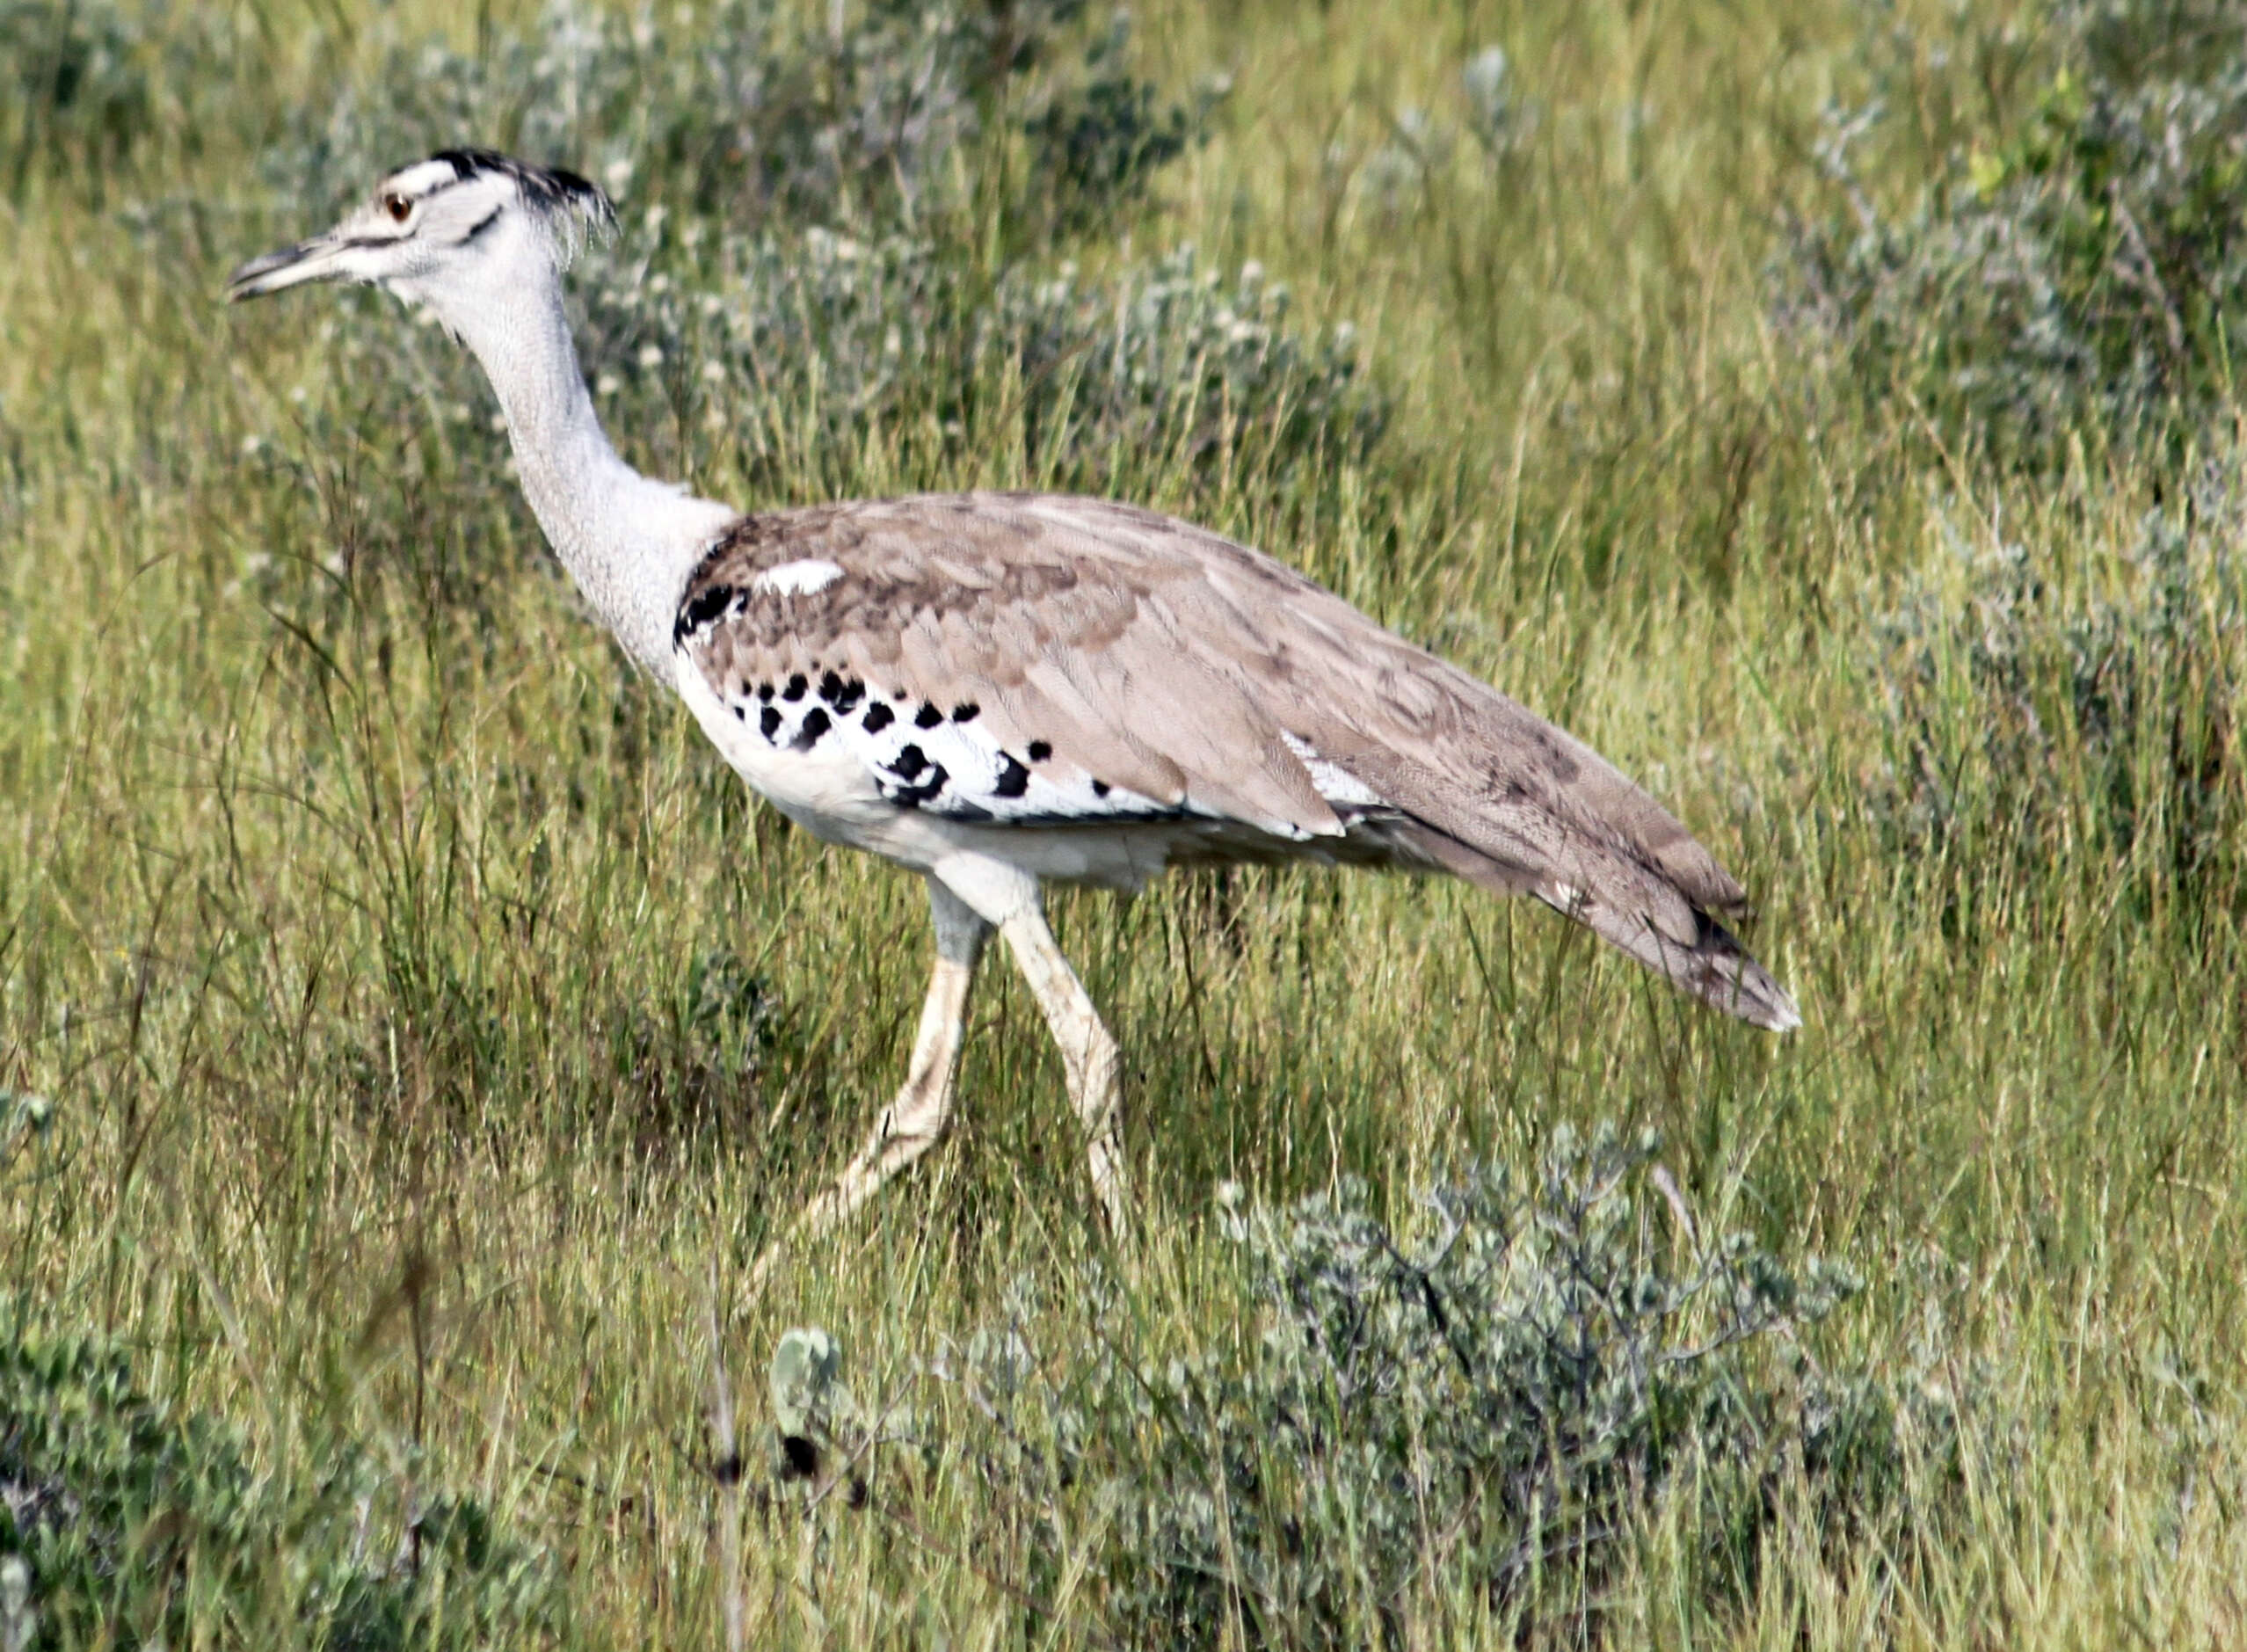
x=1504 y=1396
x=760 y=335
x=2078 y=262
x=2021 y=709
x=740 y=110
x=142 y=1525
x=743 y=114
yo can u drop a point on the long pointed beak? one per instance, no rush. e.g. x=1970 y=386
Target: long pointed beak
x=313 y=260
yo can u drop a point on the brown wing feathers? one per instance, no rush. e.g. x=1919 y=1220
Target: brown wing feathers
x=1502 y=799
x=1170 y=662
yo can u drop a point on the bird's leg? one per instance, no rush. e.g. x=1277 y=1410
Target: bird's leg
x=910 y=1124
x=1089 y=1053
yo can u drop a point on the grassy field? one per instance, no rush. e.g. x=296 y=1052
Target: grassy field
x=433 y=1031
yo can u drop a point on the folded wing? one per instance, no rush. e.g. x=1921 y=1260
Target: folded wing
x=1070 y=663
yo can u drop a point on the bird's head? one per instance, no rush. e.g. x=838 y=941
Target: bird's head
x=462 y=226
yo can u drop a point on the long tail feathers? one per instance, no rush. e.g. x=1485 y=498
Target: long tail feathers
x=1636 y=909
x=1713 y=966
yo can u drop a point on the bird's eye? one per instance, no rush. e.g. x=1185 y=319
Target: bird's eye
x=399 y=207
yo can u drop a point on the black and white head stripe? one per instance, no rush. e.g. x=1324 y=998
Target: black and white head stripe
x=549 y=189
x=567 y=204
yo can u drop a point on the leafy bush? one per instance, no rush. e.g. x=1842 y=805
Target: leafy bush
x=834 y=333
x=2085 y=264
x=2013 y=706
x=740 y=115
x=742 y=111
x=1503 y=1401
x=140 y=1524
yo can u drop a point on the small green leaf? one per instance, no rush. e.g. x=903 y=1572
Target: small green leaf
x=1985 y=173
x=804 y=1368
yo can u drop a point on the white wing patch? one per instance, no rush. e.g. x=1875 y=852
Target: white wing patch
x=1332 y=782
x=943 y=760
x=798 y=579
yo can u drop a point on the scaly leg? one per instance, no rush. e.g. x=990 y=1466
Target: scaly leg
x=1088 y=1054
x=910 y=1124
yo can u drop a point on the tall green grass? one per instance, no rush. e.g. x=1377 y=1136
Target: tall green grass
x=434 y=1031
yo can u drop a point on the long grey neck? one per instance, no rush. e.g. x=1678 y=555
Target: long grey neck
x=628 y=540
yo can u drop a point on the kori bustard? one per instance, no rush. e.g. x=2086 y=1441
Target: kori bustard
x=995 y=689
